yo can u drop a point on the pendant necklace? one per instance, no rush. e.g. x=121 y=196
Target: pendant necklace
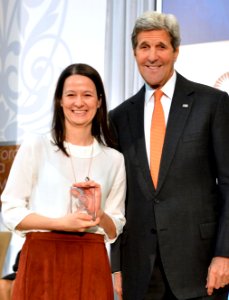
x=87 y=178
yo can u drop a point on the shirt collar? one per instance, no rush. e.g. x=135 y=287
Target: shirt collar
x=83 y=151
x=168 y=88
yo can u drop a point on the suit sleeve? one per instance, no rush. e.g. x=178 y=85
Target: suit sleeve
x=220 y=135
x=115 y=253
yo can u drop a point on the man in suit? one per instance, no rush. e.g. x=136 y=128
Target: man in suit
x=175 y=243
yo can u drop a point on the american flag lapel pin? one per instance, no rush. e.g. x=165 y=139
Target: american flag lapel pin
x=185 y=105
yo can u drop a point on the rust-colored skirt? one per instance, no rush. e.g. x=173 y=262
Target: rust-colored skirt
x=63 y=266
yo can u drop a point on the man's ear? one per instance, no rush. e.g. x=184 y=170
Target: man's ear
x=176 y=52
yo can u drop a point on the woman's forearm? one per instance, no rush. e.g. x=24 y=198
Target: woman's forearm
x=35 y=221
x=108 y=225
x=69 y=222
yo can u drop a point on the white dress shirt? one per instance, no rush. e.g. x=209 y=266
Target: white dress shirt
x=166 y=100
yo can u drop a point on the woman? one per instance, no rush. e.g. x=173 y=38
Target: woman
x=64 y=255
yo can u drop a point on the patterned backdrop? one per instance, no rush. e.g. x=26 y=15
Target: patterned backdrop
x=38 y=38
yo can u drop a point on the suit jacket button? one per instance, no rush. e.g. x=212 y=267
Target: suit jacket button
x=156 y=201
x=153 y=231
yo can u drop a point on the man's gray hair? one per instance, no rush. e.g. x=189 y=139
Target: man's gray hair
x=152 y=20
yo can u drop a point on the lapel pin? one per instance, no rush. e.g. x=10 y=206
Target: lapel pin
x=185 y=105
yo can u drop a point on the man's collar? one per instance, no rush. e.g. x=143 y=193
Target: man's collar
x=168 y=88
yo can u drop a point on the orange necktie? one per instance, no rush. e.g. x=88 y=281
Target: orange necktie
x=157 y=135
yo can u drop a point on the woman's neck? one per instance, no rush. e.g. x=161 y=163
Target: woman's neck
x=79 y=137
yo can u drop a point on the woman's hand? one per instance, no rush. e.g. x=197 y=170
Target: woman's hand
x=92 y=191
x=89 y=195
x=77 y=222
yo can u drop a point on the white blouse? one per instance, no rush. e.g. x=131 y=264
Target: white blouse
x=41 y=177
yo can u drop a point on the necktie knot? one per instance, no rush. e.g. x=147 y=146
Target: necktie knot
x=157 y=95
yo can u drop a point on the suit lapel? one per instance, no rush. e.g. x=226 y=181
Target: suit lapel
x=179 y=112
x=136 y=121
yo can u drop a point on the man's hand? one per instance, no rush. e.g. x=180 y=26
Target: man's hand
x=218 y=274
x=118 y=284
